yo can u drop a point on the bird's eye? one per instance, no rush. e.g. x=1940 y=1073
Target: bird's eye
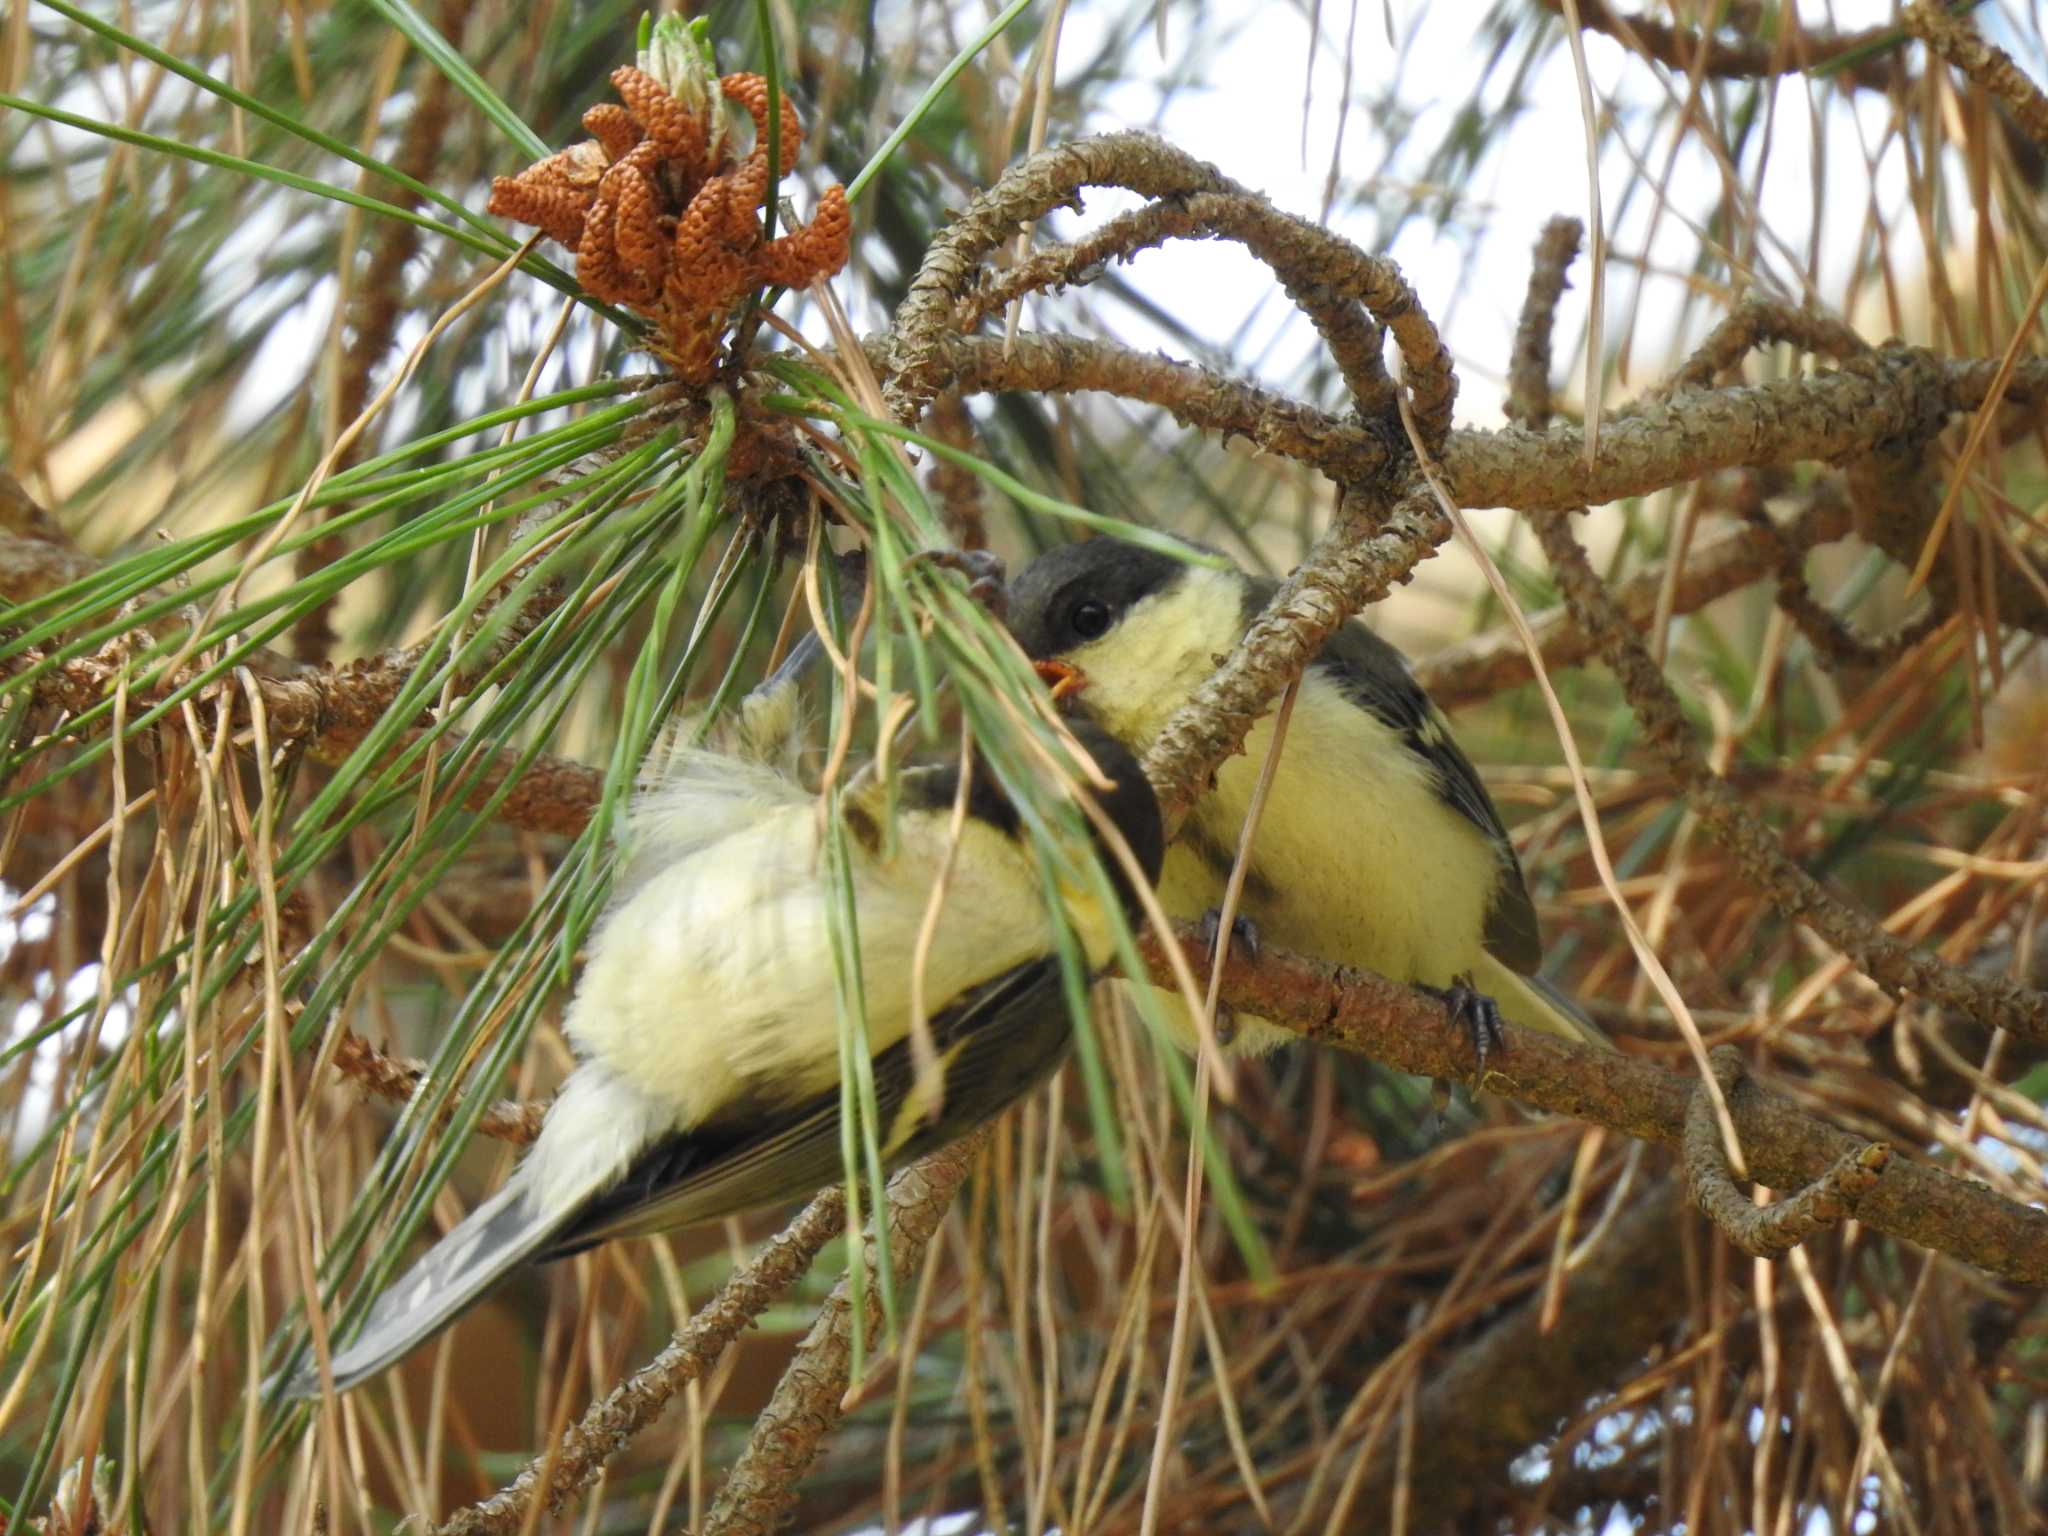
x=1090 y=619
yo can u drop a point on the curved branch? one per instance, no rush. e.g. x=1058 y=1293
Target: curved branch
x=1353 y=340
x=1766 y=1231
x=1757 y=322
x=1324 y=274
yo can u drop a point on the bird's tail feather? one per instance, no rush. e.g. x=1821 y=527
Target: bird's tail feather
x=1536 y=1004
x=497 y=1235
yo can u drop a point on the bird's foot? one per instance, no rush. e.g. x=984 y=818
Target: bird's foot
x=986 y=574
x=1480 y=1015
x=1244 y=938
x=1244 y=933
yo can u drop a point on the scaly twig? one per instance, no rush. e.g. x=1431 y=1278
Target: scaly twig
x=809 y=1401
x=609 y=1425
x=1326 y=276
x=1989 y=68
x=398 y=1078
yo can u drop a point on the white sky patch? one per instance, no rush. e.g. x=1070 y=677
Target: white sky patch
x=22 y=1018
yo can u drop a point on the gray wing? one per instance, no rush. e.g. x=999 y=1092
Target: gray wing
x=497 y=1236
x=995 y=1044
x=1375 y=676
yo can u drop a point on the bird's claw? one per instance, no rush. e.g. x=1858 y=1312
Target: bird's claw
x=1479 y=1014
x=1244 y=933
x=986 y=574
x=1244 y=938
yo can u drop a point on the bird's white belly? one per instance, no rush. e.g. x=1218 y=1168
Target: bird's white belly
x=713 y=984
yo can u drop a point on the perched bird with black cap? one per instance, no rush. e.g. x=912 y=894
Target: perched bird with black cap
x=1377 y=845
x=706 y=1023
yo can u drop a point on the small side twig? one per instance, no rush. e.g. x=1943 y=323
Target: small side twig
x=398 y=1078
x=809 y=1401
x=609 y=1425
x=1990 y=68
x=1757 y=322
x=1898 y=967
x=1766 y=1231
x=1528 y=399
x=1488 y=663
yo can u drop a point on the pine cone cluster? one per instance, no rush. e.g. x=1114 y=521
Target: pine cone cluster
x=663 y=221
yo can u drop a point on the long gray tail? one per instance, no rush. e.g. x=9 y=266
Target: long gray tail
x=494 y=1238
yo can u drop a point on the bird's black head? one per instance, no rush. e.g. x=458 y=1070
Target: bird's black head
x=1073 y=595
x=1129 y=804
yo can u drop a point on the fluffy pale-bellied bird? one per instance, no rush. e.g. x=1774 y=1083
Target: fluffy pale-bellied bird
x=705 y=1022
x=1377 y=846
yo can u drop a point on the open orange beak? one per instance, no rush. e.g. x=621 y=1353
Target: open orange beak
x=1061 y=677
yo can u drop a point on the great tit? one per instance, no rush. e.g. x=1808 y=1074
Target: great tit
x=1378 y=846
x=705 y=1019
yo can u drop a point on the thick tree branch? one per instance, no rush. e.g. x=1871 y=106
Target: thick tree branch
x=1787 y=1149
x=1893 y=393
